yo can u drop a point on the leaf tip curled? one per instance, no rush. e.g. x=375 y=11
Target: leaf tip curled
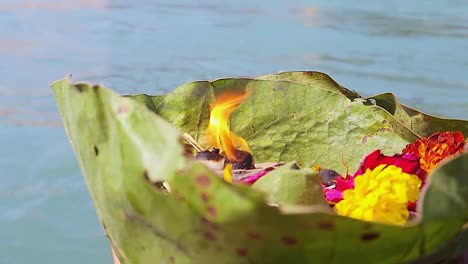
x=57 y=83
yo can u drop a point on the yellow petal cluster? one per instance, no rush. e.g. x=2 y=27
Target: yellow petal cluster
x=380 y=195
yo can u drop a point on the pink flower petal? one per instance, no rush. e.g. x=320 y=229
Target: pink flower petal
x=333 y=195
x=253 y=178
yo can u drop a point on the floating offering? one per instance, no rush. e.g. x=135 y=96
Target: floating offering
x=282 y=168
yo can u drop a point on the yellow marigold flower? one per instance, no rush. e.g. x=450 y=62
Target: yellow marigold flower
x=380 y=195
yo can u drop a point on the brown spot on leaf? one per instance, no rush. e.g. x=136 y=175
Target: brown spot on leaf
x=80 y=87
x=202 y=181
x=364 y=140
x=96 y=151
x=204 y=197
x=384 y=129
x=254 y=235
x=171 y=259
x=211 y=210
x=209 y=224
x=128 y=217
x=289 y=240
x=241 y=252
x=304 y=225
x=326 y=225
x=95 y=88
x=209 y=236
x=369 y=236
x=180 y=198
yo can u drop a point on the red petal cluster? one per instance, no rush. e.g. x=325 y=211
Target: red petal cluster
x=408 y=162
x=435 y=148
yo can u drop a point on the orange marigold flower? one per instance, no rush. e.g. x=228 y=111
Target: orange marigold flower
x=432 y=150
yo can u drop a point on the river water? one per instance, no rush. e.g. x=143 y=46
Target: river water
x=417 y=50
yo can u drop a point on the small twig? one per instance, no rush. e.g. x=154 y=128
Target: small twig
x=345 y=164
x=193 y=142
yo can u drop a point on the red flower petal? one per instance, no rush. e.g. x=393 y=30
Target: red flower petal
x=344 y=183
x=408 y=162
x=412 y=206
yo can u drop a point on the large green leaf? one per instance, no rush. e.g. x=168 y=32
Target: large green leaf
x=125 y=151
x=419 y=122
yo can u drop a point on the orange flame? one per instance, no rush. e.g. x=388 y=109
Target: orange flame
x=218 y=133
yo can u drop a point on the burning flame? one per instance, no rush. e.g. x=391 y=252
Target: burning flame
x=218 y=133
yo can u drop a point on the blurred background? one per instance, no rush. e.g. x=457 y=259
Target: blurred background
x=417 y=50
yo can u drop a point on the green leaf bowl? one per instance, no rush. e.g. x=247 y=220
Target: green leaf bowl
x=128 y=145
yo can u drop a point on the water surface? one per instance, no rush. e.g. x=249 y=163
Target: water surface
x=46 y=215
